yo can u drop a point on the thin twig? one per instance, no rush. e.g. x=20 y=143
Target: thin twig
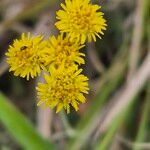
x=3 y=66
x=44 y=116
x=136 y=39
x=130 y=90
x=20 y=28
x=97 y=64
x=44 y=120
x=60 y=135
x=129 y=144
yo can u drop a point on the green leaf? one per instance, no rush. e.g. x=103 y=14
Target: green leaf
x=21 y=129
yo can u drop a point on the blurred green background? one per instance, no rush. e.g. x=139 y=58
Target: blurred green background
x=116 y=115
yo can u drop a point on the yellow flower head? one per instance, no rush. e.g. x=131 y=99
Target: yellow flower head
x=63 y=50
x=28 y=56
x=81 y=19
x=63 y=87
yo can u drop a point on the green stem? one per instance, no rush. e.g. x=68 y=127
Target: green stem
x=142 y=132
x=65 y=121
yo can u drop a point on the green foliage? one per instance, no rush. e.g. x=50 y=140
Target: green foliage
x=108 y=84
x=21 y=129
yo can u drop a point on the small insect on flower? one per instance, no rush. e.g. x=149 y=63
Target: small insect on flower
x=63 y=87
x=81 y=20
x=64 y=50
x=23 y=47
x=28 y=56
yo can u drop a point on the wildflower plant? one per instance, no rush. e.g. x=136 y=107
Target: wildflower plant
x=59 y=57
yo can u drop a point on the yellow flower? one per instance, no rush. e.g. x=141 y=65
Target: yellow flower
x=28 y=56
x=63 y=50
x=81 y=19
x=63 y=87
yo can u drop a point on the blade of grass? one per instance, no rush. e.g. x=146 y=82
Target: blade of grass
x=144 y=121
x=117 y=122
x=145 y=115
x=21 y=129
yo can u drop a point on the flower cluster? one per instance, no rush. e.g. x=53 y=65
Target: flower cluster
x=59 y=57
